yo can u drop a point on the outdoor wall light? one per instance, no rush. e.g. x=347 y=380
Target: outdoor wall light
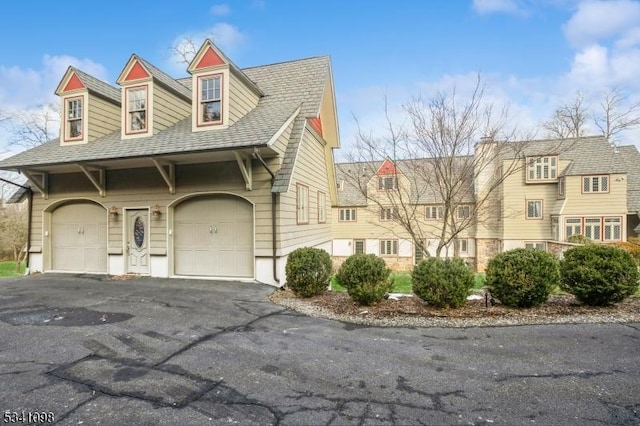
x=113 y=212
x=155 y=211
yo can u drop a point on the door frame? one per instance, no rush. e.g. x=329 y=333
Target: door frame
x=125 y=237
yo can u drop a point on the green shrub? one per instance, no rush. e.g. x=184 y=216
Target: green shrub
x=632 y=246
x=599 y=274
x=366 y=278
x=308 y=271
x=443 y=283
x=523 y=277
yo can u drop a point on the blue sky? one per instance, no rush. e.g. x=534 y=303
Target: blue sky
x=533 y=54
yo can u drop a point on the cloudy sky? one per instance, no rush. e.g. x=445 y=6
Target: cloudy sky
x=532 y=54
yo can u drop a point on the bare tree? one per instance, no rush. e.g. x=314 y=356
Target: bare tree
x=616 y=115
x=186 y=48
x=30 y=128
x=437 y=160
x=568 y=120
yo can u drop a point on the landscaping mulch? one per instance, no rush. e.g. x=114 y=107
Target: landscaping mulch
x=412 y=311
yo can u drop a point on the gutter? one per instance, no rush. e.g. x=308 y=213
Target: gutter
x=29 y=218
x=274 y=198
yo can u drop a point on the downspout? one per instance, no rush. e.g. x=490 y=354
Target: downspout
x=29 y=219
x=274 y=197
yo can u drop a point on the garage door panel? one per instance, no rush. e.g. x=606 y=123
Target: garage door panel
x=214 y=237
x=79 y=236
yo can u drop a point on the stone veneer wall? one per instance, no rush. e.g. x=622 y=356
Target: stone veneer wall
x=486 y=249
x=397 y=264
x=559 y=247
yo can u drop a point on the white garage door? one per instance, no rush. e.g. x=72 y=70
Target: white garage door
x=213 y=236
x=79 y=238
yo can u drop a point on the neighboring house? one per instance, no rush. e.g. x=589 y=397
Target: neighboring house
x=559 y=188
x=220 y=174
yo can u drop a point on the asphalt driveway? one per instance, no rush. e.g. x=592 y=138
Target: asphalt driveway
x=89 y=350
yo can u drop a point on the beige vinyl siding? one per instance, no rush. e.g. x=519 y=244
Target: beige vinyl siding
x=310 y=171
x=280 y=144
x=241 y=99
x=613 y=202
x=141 y=188
x=168 y=109
x=103 y=116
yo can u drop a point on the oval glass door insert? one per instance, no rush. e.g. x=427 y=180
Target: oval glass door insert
x=138 y=232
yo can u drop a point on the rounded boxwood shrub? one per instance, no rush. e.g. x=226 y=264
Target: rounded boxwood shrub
x=599 y=274
x=366 y=278
x=308 y=271
x=522 y=278
x=442 y=282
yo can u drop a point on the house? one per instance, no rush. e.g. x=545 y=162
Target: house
x=219 y=174
x=545 y=191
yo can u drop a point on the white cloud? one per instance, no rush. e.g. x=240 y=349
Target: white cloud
x=220 y=10
x=597 y=20
x=496 y=6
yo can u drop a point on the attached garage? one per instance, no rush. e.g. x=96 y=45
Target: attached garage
x=213 y=236
x=79 y=238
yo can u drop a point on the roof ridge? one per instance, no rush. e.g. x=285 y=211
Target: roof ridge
x=286 y=62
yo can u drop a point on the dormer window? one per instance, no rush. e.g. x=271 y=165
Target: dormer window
x=210 y=99
x=137 y=109
x=74 y=119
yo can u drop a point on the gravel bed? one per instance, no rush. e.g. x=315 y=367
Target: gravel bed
x=412 y=312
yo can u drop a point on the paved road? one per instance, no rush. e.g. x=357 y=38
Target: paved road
x=164 y=352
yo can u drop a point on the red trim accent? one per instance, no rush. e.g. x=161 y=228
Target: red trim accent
x=316 y=123
x=66 y=119
x=199 y=122
x=127 y=123
x=73 y=83
x=137 y=72
x=209 y=59
x=591 y=184
x=387 y=168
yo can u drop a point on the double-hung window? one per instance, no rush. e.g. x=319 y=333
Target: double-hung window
x=137 y=109
x=387 y=182
x=463 y=212
x=388 y=213
x=358 y=246
x=573 y=226
x=211 y=99
x=592 y=228
x=434 y=212
x=612 y=229
x=74 y=119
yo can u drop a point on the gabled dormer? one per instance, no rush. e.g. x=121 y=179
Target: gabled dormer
x=151 y=99
x=222 y=93
x=90 y=108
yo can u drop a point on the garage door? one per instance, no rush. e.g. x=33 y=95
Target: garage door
x=79 y=238
x=213 y=236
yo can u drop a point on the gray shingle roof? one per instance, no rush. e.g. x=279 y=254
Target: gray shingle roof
x=286 y=86
x=631 y=156
x=166 y=80
x=99 y=87
x=354 y=178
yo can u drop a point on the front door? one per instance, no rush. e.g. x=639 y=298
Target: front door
x=138 y=241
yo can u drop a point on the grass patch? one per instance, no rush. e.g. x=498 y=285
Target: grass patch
x=479 y=280
x=401 y=283
x=8 y=269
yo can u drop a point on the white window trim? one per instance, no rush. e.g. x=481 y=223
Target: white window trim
x=439 y=209
x=127 y=113
x=382 y=183
x=84 y=99
x=536 y=243
x=364 y=245
x=197 y=125
x=388 y=214
x=532 y=164
x=393 y=245
x=352 y=215
x=600 y=179
x=462 y=208
x=541 y=216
